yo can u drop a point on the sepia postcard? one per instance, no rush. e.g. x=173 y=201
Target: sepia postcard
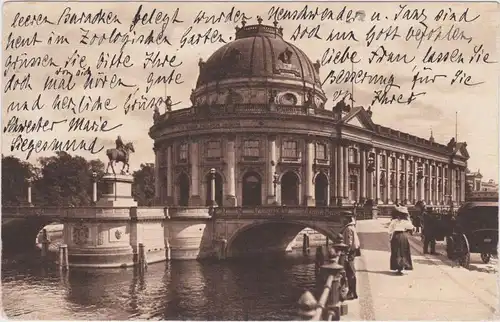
x=236 y=160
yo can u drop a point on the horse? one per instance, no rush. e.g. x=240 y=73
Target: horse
x=115 y=155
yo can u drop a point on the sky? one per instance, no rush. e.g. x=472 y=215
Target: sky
x=476 y=107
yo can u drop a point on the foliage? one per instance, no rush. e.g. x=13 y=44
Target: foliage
x=143 y=189
x=14 y=180
x=61 y=180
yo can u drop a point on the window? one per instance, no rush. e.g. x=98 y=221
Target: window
x=401 y=165
x=440 y=171
x=251 y=148
x=213 y=149
x=290 y=149
x=393 y=163
x=353 y=155
x=410 y=166
x=183 y=152
x=426 y=171
x=445 y=172
x=383 y=163
x=320 y=151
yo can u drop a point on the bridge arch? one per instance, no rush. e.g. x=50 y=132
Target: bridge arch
x=20 y=234
x=271 y=236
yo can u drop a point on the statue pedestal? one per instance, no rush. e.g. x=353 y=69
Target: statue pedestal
x=117 y=191
x=103 y=236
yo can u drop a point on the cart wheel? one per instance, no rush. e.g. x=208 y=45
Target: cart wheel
x=485 y=257
x=450 y=248
x=465 y=253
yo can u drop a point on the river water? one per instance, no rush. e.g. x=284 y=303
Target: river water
x=264 y=288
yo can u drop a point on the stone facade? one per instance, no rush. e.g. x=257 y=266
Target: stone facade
x=259 y=118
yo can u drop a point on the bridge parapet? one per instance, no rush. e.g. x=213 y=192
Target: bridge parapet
x=66 y=212
x=324 y=213
x=188 y=212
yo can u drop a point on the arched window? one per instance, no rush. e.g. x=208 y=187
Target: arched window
x=321 y=190
x=252 y=190
x=183 y=181
x=289 y=189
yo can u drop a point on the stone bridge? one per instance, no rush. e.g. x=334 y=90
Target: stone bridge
x=95 y=234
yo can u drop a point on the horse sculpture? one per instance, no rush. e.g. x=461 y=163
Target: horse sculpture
x=115 y=155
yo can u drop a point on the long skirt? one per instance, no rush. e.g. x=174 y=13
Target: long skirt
x=400 y=252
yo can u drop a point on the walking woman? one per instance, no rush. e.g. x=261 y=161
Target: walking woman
x=399 y=228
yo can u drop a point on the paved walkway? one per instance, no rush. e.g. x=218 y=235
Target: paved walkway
x=436 y=289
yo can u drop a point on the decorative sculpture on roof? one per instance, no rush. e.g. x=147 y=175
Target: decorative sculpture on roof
x=310 y=99
x=156 y=115
x=369 y=111
x=451 y=145
x=168 y=104
x=341 y=106
x=286 y=56
x=192 y=98
x=316 y=66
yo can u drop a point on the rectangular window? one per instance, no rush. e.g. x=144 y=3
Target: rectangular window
x=410 y=166
x=353 y=155
x=251 y=148
x=382 y=161
x=183 y=152
x=320 y=151
x=213 y=149
x=401 y=165
x=290 y=149
x=393 y=163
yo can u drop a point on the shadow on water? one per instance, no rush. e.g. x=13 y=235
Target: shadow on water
x=260 y=288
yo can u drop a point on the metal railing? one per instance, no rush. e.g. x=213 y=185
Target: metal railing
x=330 y=306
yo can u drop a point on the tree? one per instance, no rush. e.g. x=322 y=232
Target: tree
x=15 y=174
x=143 y=188
x=67 y=180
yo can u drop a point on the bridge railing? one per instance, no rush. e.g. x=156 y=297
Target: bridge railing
x=64 y=212
x=264 y=211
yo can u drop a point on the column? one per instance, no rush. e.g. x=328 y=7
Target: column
x=195 y=199
x=170 y=176
x=340 y=171
x=443 y=193
x=431 y=186
x=346 y=173
x=309 y=198
x=334 y=175
x=377 y=177
x=415 y=180
x=271 y=170
x=406 y=188
x=398 y=183
x=157 y=176
x=362 y=195
x=388 y=176
x=462 y=185
x=231 y=161
x=453 y=185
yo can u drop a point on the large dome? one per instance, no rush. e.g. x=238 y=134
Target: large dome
x=261 y=56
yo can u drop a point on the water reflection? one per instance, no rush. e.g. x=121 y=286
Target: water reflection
x=265 y=288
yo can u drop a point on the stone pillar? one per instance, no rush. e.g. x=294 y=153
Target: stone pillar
x=406 y=188
x=309 y=197
x=462 y=185
x=388 y=176
x=453 y=185
x=431 y=184
x=415 y=180
x=195 y=199
x=377 y=177
x=340 y=170
x=170 y=176
x=231 y=178
x=157 y=176
x=346 y=173
x=334 y=175
x=362 y=195
x=271 y=170
x=398 y=183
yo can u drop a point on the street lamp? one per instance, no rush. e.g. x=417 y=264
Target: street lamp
x=276 y=182
x=30 y=181
x=94 y=187
x=212 y=186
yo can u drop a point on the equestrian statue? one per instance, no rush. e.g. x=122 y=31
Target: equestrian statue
x=120 y=154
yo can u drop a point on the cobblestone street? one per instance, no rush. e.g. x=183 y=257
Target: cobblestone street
x=437 y=288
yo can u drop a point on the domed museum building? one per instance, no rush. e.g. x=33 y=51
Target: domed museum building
x=261 y=120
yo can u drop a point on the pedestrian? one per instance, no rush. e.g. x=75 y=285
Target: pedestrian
x=351 y=239
x=428 y=231
x=398 y=236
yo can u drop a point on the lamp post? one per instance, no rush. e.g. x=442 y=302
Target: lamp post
x=276 y=178
x=94 y=187
x=212 y=185
x=30 y=182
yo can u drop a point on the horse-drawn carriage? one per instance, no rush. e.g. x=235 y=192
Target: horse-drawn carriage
x=474 y=230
